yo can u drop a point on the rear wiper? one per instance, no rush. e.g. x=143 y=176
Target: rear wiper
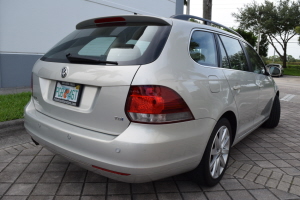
x=78 y=59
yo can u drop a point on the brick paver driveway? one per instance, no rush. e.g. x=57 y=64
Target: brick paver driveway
x=265 y=165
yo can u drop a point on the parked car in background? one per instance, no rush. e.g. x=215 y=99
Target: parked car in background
x=140 y=98
x=273 y=69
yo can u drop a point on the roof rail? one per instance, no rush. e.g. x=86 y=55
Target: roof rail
x=206 y=22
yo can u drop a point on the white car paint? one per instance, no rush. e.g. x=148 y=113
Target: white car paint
x=98 y=132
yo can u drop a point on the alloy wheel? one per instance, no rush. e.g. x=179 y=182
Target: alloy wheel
x=219 y=152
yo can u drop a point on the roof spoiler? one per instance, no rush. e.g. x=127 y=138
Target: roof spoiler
x=122 y=20
x=206 y=22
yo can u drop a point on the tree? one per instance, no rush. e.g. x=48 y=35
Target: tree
x=248 y=36
x=277 y=22
x=290 y=58
x=274 y=58
x=252 y=39
x=263 y=46
x=297 y=30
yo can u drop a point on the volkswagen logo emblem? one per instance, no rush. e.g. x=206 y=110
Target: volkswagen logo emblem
x=64 y=71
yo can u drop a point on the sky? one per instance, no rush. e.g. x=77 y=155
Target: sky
x=222 y=13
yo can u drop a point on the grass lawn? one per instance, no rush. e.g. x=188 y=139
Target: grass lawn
x=292 y=71
x=12 y=105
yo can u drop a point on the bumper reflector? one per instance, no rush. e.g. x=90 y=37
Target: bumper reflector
x=114 y=172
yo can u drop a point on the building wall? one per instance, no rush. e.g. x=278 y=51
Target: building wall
x=28 y=29
x=15 y=69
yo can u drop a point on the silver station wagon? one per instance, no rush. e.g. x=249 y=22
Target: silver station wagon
x=140 y=98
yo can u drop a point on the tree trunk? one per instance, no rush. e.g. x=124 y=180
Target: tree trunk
x=284 y=55
x=207 y=8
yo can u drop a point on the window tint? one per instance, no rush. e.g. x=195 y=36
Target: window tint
x=97 y=46
x=235 y=53
x=224 y=59
x=127 y=45
x=203 y=48
x=255 y=61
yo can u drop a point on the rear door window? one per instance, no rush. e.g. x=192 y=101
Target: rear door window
x=257 y=66
x=203 y=48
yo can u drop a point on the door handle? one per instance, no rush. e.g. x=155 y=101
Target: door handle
x=236 y=87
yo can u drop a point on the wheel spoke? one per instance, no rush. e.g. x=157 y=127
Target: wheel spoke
x=217 y=141
x=218 y=170
x=222 y=161
x=213 y=168
x=225 y=142
x=214 y=152
x=224 y=133
x=212 y=163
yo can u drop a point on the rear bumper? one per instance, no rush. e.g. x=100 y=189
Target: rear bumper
x=146 y=152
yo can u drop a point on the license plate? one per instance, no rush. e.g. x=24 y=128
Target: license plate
x=67 y=93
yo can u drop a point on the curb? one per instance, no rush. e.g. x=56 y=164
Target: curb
x=15 y=122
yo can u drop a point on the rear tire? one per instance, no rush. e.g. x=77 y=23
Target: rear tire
x=274 y=118
x=215 y=158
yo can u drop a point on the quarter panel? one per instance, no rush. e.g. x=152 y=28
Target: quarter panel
x=266 y=96
x=176 y=69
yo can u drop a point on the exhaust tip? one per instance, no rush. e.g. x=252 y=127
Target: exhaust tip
x=35 y=142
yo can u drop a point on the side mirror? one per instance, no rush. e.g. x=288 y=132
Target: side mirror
x=275 y=71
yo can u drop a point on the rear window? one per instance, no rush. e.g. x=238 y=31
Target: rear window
x=124 y=45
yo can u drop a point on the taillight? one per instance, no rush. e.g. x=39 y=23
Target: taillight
x=156 y=104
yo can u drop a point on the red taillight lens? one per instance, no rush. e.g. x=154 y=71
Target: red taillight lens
x=156 y=104
x=109 y=20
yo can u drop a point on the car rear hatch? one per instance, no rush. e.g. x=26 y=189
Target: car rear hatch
x=84 y=80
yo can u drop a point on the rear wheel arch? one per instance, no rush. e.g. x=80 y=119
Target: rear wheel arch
x=275 y=113
x=214 y=161
x=231 y=117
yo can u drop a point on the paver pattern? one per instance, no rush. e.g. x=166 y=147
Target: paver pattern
x=265 y=165
x=36 y=173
